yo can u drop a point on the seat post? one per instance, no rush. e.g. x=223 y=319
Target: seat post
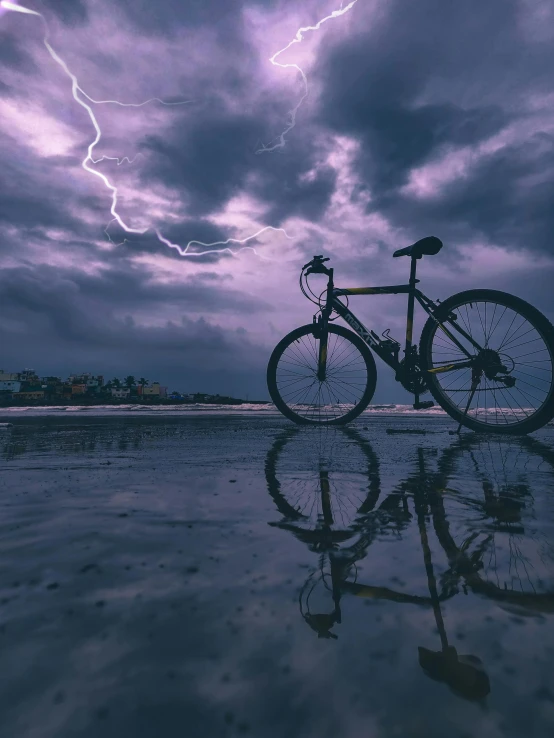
x=413 y=267
x=410 y=317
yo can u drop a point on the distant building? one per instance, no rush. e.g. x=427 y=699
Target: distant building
x=38 y=395
x=52 y=385
x=78 y=389
x=9 y=385
x=121 y=392
x=94 y=384
x=86 y=378
x=29 y=375
x=155 y=390
x=8 y=376
x=77 y=378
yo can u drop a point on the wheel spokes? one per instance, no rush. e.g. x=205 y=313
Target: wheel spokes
x=329 y=400
x=515 y=367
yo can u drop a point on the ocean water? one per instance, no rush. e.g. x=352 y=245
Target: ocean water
x=196 y=409
x=246 y=410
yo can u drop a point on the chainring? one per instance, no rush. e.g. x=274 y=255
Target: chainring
x=412 y=379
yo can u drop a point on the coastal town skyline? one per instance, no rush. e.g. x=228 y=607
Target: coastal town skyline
x=27 y=385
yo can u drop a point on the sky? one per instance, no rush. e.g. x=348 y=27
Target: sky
x=123 y=222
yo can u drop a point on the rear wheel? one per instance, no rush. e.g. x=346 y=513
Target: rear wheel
x=510 y=386
x=298 y=393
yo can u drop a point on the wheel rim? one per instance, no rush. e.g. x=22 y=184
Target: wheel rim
x=509 y=339
x=315 y=401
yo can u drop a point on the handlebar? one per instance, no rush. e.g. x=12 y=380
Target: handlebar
x=319 y=259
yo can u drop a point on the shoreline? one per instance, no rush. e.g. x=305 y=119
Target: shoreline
x=191 y=410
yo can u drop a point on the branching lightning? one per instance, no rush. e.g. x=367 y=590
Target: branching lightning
x=76 y=89
x=299 y=36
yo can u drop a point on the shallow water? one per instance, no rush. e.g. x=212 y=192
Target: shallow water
x=221 y=576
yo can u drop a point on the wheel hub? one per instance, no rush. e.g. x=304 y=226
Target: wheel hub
x=489 y=362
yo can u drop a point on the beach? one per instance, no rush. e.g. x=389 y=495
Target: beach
x=222 y=573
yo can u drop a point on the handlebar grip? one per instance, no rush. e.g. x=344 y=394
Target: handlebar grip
x=317 y=260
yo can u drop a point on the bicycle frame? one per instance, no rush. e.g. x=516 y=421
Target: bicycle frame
x=382 y=348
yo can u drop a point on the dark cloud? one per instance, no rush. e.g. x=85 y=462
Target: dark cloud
x=27 y=211
x=426 y=79
x=371 y=88
x=42 y=192
x=292 y=195
x=211 y=159
x=28 y=203
x=506 y=197
x=48 y=291
x=63 y=314
x=70 y=12
x=12 y=54
x=166 y=16
x=401 y=139
x=208 y=161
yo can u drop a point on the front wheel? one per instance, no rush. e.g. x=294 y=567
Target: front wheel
x=509 y=385
x=299 y=394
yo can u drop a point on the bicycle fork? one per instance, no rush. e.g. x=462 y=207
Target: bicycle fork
x=323 y=331
x=322 y=359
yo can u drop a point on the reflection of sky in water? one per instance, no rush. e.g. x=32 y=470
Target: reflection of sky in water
x=162 y=574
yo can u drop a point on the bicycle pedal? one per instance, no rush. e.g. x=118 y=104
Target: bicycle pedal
x=423 y=405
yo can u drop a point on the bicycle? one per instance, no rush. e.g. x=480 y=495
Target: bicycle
x=469 y=356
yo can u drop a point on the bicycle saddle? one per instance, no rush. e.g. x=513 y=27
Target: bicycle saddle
x=425 y=246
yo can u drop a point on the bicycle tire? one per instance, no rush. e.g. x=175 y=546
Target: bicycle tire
x=306 y=330
x=536 y=319
x=292 y=484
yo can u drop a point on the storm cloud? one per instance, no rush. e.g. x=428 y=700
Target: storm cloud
x=420 y=119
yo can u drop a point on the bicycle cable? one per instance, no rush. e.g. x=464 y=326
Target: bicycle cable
x=317 y=300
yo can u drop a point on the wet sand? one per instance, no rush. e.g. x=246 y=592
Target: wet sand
x=223 y=576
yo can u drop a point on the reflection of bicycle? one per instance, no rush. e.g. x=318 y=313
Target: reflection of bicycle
x=486 y=356
x=482 y=538
x=497 y=544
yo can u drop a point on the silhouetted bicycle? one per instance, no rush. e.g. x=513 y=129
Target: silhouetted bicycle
x=487 y=357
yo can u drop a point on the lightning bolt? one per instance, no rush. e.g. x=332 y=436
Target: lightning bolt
x=76 y=89
x=296 y=40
